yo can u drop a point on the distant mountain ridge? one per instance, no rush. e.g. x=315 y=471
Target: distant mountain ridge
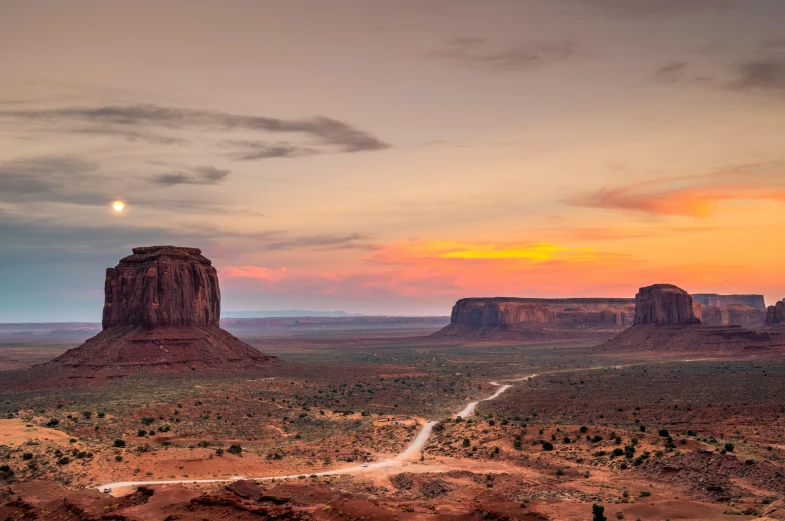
x=287 y=313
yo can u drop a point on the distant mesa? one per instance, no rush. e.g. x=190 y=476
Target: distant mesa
x=775 y=315
x=161 y=314
x=731 y=310
x=714 y=300
x=501 y=318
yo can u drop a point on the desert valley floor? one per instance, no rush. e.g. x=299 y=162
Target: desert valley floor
x=646 y=435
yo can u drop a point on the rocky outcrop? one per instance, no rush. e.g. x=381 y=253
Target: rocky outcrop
x=666 y=319
x=161 y=310
x=734 y=315
x=722 y=301
x=662 y=304
x=507 y=317
x=775 y=315
x=162 y=286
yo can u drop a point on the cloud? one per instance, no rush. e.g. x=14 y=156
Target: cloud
x=697 y=196
x=671 y=72
x=764 y=74
x=253 y=272
x=474 y=53
x=321 y=242
x=653 y=7
x=199 y=175
x=51 y=179
x=254 y=150
x=118 y=118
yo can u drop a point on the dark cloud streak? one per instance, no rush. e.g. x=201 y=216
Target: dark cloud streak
x=474 y=53
x=113 y=117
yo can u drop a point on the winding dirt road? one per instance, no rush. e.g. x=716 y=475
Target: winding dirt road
x=414 y=448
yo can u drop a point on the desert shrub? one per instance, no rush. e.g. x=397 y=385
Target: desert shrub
x=645 y=493
x=663 y=433
x=466 y=442
x=65 y=460
x=101 y=414
x=517 y=444
x=147 y=421
x=584 y=429
x=235 y=448
x=619 y=515
x=618 y=451
x=52 y=422
x=27 y=456
x=141 y=433
x=219 y=452
x=629 y=451
x=87 y=414
x=546 y=445
x=118 y=458
x=566 y=439
x=203 y=443
x=598 y=513
x=596 y=439
x=729 y=447
x=119 y=443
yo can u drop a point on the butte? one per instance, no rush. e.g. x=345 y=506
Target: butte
x=161 y=314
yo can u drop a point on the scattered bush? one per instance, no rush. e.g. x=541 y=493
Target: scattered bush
x=235 y=448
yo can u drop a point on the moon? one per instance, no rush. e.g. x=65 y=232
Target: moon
x=118 y=206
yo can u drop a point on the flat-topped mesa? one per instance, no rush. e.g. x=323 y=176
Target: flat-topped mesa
x=714 y=300
x=162 y=286
x=775 y=315
x=508 y=311
x=662 y=304
x=505 y=318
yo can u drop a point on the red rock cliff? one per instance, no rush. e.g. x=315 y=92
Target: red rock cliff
x=665 y=304
x=776 y=313
x=162 y=286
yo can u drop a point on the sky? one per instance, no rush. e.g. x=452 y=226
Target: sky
x=390 y=157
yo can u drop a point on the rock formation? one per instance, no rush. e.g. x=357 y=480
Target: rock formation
x=162 y=286
x=506 y=317
x=161 y=313
x=714 y=300
x=775 y=315
x=666 y=319
x=664 y=304
x=733 y=315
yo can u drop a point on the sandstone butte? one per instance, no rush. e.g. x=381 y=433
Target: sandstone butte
x=667 y=319
x=161 y=314
x=664 y=304
x=509 y=318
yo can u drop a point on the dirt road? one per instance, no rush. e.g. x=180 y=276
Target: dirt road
x=412 y=450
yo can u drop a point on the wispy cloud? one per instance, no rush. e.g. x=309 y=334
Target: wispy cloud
x=696 y=195
x=477 y=53
x=653 y=7
x=52 y=179
x=198 y=175
x=671 y=72
x=761 y=74
x=117 y=119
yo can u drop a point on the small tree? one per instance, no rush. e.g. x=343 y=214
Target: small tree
x=235 y=448
x=466 y=442
x=729 y=447
x=598 y=513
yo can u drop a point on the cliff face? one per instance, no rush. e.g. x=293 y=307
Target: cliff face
x=501 y=317
x=664 y=304
x=714 y=300
x=162 y=286
x=161 y=311
x=776 y=314
x=735 y=315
